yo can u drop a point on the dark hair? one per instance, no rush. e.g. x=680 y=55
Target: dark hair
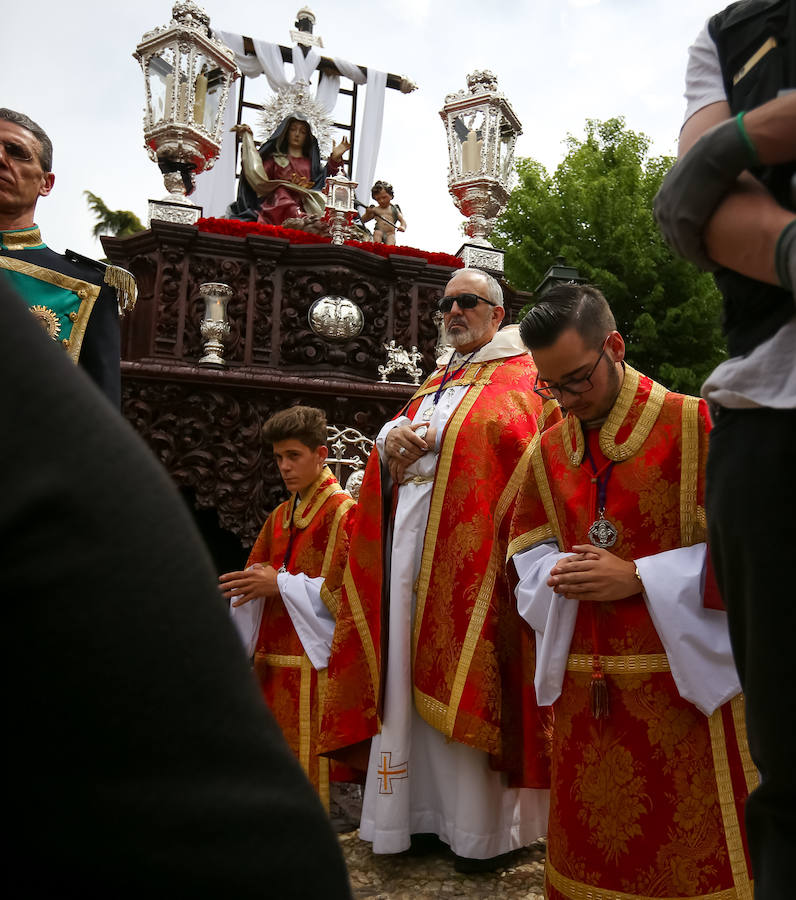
x=18 y=118
x=380 y=186
x=281 y=144
x=302 y=423
x=578 y=306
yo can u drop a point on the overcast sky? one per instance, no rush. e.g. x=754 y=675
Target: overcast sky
x=69 y=66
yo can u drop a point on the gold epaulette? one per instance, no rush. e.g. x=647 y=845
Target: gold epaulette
x=124 y=284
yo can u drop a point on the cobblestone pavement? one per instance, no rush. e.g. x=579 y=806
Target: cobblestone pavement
x=429 y=877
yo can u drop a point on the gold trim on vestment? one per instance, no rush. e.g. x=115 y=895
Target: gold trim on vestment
x=342 y=509
x=689 y=470
x=22 y=239
x=312 y=501
x=323 y=762
x=729 y=812
x=305 y=713
x=358 y=615
x=577 y=890
x=572 y=433
x=484 y=598
x=543 y=485
x=750 y=773
x=548 y=407
x=280 y=660
x=85 y=290
x=647 y=664
x=471 y=376
x=450 y=437
x=644 y=424
x=529 y=539
x=330 y=601
x=431 y=710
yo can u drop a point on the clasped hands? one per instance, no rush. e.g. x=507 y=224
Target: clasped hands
x=592 y=573
x=256 y=581
x=404 y=436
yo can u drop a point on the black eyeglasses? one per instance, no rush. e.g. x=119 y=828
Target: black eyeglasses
x=464 y=301
x=574 y=386
x=16 y=151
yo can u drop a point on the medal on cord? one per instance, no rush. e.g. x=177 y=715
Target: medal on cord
x=602 y=534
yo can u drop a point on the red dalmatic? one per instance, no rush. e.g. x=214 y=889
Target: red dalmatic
x=292 y=688
x=648 y=800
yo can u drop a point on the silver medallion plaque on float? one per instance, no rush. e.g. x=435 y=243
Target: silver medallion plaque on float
x=336 y=318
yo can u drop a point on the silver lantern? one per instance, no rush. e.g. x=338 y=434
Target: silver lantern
x=482 y=131
x=340 y=199
x=187 y=75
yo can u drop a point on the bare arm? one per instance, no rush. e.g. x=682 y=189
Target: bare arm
x=743 y=231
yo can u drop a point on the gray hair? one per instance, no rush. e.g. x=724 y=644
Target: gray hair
x=494 y=291
x=18 y=118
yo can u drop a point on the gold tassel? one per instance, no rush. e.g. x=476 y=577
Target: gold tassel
x=598 y=689
x=124 y=283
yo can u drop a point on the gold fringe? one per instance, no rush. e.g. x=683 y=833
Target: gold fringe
x=125 y=286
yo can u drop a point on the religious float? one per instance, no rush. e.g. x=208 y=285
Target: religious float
x=239 y=317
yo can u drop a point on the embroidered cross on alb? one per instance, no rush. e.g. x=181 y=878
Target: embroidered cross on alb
x=387 y=772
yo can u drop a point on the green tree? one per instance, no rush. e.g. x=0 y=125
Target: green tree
x=118 y=222
x=596 y=211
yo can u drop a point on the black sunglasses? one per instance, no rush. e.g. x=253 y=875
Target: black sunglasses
x=464 y=301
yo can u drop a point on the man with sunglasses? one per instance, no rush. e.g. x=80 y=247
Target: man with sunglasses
x=70 y=295
x=650 y=765
x=430 y=658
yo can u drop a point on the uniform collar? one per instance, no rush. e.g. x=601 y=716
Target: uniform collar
x=22 y=239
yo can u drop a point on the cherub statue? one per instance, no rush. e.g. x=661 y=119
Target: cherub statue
x=387 y=215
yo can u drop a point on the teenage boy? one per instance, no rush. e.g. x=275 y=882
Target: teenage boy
x=285 y=601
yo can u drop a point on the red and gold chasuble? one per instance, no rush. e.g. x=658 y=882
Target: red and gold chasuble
x=472 y=655
x=648 y=801
x=292 y=688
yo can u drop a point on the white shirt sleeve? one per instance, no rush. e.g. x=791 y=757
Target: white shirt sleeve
x=247 y=620
x=703 y=82
x=313 y=622
x=551 y=616
x=696 y=639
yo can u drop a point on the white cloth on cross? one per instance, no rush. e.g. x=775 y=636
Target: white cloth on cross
x=215 y=189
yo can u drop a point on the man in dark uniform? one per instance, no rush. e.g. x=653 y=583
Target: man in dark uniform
x=730 y=205
x=71 y=295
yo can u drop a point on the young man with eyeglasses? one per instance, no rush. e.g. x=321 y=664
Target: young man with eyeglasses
x=70 y=295
x=430 y=658
x=650 y=765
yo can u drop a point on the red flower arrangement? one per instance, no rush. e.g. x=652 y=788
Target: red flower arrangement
x=241 y=229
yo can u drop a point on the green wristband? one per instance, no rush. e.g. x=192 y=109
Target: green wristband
x=754 y=160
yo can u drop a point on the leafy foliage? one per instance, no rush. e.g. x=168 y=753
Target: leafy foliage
x=118 y=222
x=596 y=211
